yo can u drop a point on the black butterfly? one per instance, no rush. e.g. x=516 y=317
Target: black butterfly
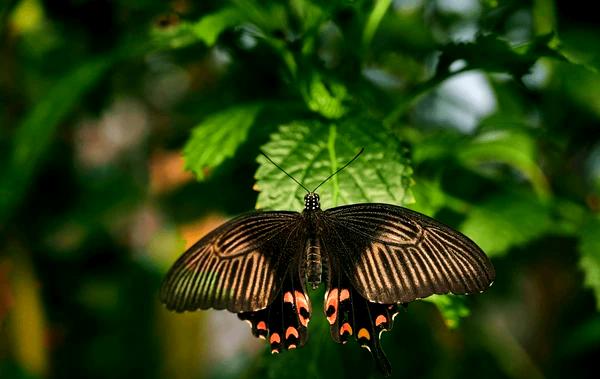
x=372 y=257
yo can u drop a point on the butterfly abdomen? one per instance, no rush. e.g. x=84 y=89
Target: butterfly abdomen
x=314 y=263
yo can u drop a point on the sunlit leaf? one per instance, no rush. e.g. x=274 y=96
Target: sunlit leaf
x=27 y=16
x=429 y=196
x=27 y=324
x=311 y=151
x=579 y=48
x=326 y=98
x=499 y=143
x=589 y=246
x=308 y=13
x=452 y=308
x=506 y=220
x=581 y=85
x=510 y=146
x=218 y=137
x=207 y=29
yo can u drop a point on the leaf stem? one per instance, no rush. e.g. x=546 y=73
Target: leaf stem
x=374 y=20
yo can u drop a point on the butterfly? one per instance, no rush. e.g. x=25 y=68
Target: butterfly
x=372 y=258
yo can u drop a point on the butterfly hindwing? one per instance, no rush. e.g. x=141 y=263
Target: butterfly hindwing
x=394 y=255
x=240 y=266
x=351 y=316
x=284 y=323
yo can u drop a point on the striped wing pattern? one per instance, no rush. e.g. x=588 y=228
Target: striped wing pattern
x=240 y=266
x=394 y=255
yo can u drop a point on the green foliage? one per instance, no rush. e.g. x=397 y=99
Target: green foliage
x=327 y=100
x=218 y=137
x=481 y=114
x=504 y=221
x=453 y=308
x=589 y=262
x=36 y=131
x=206 y=30
x=512 y=146
x=516 y=62
x=311 y=151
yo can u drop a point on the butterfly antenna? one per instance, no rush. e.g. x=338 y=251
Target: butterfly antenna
x=340 y=169
x=291 y=177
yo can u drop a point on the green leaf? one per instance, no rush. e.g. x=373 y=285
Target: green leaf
x=579 y=48
x=509 y=59
x=498 y=143
x=379 y=10
x=581 y=86
x=589 y=246
x=429 y=196
x=508 y=145
x=206 y=30
x=209 y=27
x=453 y=308
x=34 y=135
x=218 y=137
x=325 y=98
x=311 y=151
x=506 y=220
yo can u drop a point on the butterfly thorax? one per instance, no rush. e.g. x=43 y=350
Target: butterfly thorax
x=311 y=202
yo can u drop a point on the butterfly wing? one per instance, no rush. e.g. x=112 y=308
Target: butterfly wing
x=394 y=255
x=239 y=266
x=285 y=321
x=351 y=315
x=381 y=255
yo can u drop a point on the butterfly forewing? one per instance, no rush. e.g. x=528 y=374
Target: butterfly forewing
x=239 y=266
x=394 y=255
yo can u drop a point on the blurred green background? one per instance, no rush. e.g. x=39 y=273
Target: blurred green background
x=131 y=128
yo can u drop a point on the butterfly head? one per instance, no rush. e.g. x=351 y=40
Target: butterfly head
x=311 y=201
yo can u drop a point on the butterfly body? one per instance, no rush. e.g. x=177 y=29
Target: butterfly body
x=314 y=259
x=372 y=257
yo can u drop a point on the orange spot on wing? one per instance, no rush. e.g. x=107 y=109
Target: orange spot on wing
x=346 y=328
x=332 y=298
x=344 y=295
x=288 y=298
x=381 y=319
x=291 y=331
x=332 y=317
x=364 y=333
x=301 y=301
x=261 y=325
x=303 y=320
x=275 y=338
x=331 y=303
x=302 y=305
